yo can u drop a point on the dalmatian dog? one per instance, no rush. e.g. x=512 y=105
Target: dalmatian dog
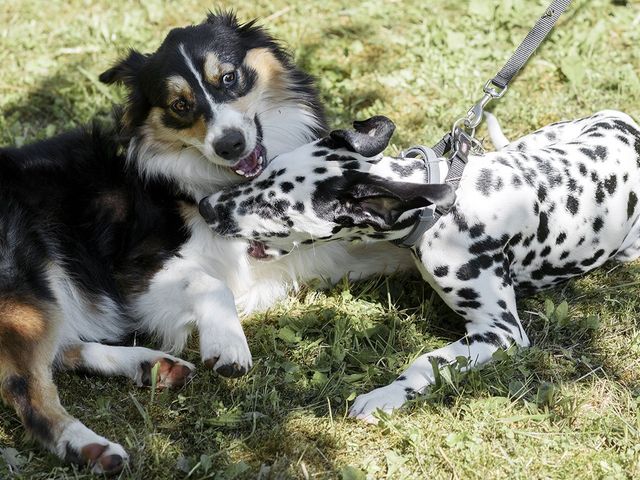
x=552 y=205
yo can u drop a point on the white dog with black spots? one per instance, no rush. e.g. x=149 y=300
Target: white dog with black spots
x=552 y=205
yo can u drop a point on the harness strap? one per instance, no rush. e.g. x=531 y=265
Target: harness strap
x=443 y=146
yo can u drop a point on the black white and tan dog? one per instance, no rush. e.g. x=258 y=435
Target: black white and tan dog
x=100 y=235
x=552 y=205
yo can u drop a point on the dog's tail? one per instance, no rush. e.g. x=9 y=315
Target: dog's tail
x=495 y=132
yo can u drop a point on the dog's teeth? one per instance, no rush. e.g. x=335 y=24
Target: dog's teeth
x=260 y=160
x=240 y=172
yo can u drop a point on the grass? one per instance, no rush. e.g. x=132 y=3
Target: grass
x=566 y=408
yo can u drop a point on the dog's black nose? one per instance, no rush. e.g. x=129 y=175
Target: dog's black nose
x=230 y=145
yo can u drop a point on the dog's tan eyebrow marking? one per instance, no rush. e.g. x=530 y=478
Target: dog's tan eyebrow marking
x=267 y=66
x=177 y=86
x=214 y=68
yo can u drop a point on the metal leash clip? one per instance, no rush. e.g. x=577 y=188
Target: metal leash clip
x=474 y=115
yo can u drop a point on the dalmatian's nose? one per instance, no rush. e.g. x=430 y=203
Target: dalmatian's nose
x=207 y=211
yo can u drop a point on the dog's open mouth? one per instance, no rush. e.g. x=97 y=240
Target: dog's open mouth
x=253 y=164
x=257 y=250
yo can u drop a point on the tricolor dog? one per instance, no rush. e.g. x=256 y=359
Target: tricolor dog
x=100 y=235
x=552 y=205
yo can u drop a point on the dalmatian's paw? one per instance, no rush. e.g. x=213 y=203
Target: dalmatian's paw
x=227 y=353
x=386 y=399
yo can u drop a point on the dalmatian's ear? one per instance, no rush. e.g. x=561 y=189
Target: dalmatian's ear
x=369 y=138
x=386 y=201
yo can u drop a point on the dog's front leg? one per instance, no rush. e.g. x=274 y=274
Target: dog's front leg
x=184 y=294
x=223 y=345
x=487 y=302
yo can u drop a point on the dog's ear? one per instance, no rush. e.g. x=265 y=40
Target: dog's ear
x=370 y=137
x=386 y=201
x=125 y=70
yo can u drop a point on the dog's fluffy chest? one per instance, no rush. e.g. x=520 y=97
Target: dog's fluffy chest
x=554 y=204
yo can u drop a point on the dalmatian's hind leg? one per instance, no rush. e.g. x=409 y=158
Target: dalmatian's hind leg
x=492 y=324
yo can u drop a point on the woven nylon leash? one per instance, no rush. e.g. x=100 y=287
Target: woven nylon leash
x=458 y=143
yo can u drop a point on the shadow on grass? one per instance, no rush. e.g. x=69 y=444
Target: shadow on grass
x=58 y=103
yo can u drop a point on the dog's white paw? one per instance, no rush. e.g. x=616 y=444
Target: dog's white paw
x=386 y=399
x=78 y=444
x=227 y=352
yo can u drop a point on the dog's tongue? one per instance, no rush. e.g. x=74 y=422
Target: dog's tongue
x=247 y=164
x=256 y=249
x=252 y=164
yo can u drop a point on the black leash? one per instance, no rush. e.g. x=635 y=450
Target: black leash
x=458 y=143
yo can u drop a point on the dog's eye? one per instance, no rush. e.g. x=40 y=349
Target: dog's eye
x=229 y=79
x=180 y=106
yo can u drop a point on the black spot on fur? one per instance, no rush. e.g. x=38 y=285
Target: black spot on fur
x=572 y=205
x=599 y=192
x=476 y=230
x=509 y=318
x=542 y=193
x=468 y=293
x=543 y=227
x=472 y=268
x=545 y=251
x=597 y=224
x=319 y=153
x=527 y=241
x=286 y=187
x=516 y=181
x=265 y=184
x=594 y=259
x=631 y=204
x=561 y=238
x=299 y=179
x=488 y=244
x=473 y=304
x=460 y=221
x=583 y=169
x=484 y=182
x=550 y=270
x=352 y=165
x=298 y=206
x=320 y=170
x=441 y=271
x=610 y=184
x=407 y=167
x=529 y=258
x=489 y=337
